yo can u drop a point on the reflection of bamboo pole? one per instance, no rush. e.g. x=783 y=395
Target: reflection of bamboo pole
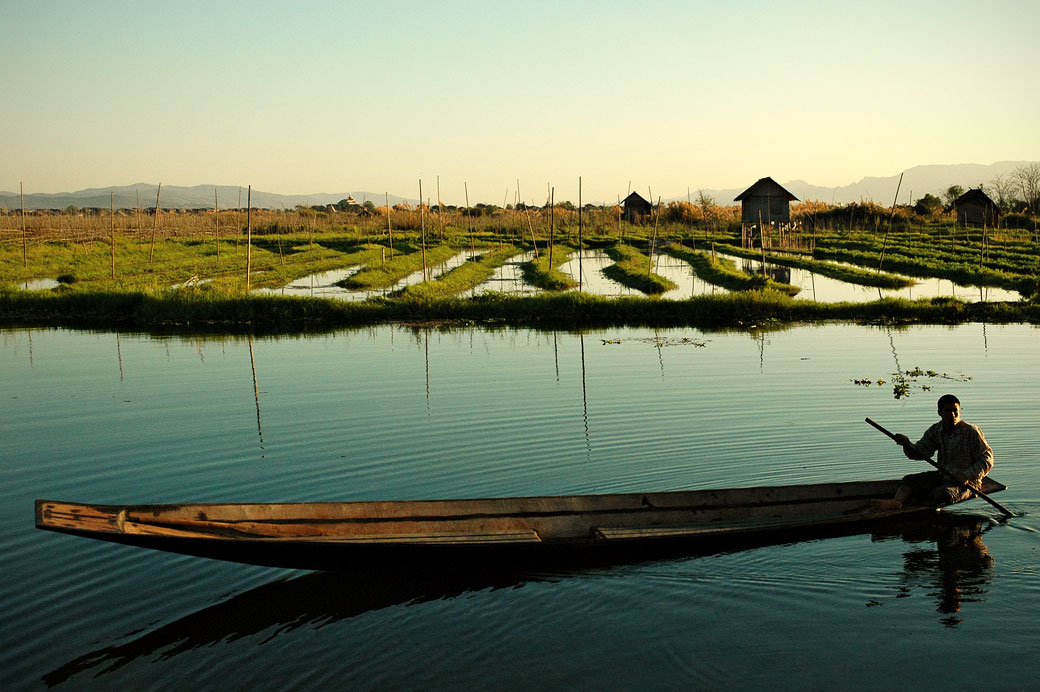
x=256 y=396
x=155 y=222
x=119 y=355
x=584 y=397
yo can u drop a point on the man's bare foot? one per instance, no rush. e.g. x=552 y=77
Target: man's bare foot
x=886 y=505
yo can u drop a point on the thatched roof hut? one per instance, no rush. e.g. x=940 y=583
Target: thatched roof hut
x=975 y=208
x=766 y=200
x=636 y=208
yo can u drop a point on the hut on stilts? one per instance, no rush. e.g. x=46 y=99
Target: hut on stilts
x=765 y=207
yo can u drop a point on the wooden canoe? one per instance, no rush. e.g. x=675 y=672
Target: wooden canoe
x=332 y=535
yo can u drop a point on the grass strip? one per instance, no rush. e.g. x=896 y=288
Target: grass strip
x=393 y=270
x=204 y=309
x=852 y=275
x=461 y=278
x=538 y=273
x=724 y=273
x=632 y=268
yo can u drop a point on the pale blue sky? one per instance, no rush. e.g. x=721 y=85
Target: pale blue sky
x=305 y=97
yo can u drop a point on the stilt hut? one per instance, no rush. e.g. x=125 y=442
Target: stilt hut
x=975 y=208
x=636 y=208
x=766 y=200
x=767 y=203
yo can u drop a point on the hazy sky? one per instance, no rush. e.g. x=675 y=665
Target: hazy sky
x=332 y=96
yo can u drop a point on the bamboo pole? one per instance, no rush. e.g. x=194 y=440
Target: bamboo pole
x=619 y=218
x=422 y=228
x=155 y=222
x=653 y=239
x=693 y=235
x=249 y=234
x=112 y=218
x=25 y=243
x=472 y=246
x=440 y=210
x=216 y=223
x=552 y=222
x=579 y=235
x=389 y=230
x=527 y=215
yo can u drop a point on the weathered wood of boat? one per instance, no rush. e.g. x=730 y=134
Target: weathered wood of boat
x=330 y=535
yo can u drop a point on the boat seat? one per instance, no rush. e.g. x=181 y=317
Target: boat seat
x=610 y=533
x=524 y=536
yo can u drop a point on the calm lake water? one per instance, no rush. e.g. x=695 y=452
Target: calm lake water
x=392 y=413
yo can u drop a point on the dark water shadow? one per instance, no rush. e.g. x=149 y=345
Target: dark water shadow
x=947 y=557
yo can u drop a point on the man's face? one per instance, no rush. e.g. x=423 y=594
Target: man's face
x=950 y=414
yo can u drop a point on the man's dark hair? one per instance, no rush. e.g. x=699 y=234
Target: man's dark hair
x=947 y=399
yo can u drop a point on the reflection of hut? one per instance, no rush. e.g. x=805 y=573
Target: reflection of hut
x=636 y=208
x=975 y=208
x=767 y=201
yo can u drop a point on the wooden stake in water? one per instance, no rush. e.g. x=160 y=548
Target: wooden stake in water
x=249 y=234
x=155 y=222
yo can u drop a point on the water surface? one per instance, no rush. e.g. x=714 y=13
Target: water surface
x=394 y=413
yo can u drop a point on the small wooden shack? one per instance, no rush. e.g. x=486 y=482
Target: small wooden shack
x=766 y=201
x=636 y=208
x=975 y=208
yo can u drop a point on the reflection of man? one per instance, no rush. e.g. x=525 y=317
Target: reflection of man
x=958 y=570
x=963 y=453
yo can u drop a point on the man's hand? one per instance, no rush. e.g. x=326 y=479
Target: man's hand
x=901 y=439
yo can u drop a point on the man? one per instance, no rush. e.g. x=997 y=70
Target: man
x=963 y=451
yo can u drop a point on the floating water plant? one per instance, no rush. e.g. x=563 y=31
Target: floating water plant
x=903 y=383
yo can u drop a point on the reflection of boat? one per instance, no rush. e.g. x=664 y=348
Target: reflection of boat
x=330 y=535
x=319 y=599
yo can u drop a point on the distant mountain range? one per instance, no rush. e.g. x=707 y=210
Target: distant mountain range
x=917 y=181
x=177 y=197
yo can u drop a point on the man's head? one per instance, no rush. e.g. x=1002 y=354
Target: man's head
x=949 y=410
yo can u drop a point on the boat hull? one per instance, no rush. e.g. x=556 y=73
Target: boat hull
x=338 y=535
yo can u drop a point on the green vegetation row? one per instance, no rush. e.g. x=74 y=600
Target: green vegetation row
x=544 y=270
x=462 y=278
x=203 y=309
x=386 y=272
x=723 y=272
x=632 y=268
x=835 y=271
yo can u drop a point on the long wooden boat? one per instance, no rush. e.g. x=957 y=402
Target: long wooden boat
x=332 y=535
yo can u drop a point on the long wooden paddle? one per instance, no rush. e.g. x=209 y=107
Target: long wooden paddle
x=949 y=475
